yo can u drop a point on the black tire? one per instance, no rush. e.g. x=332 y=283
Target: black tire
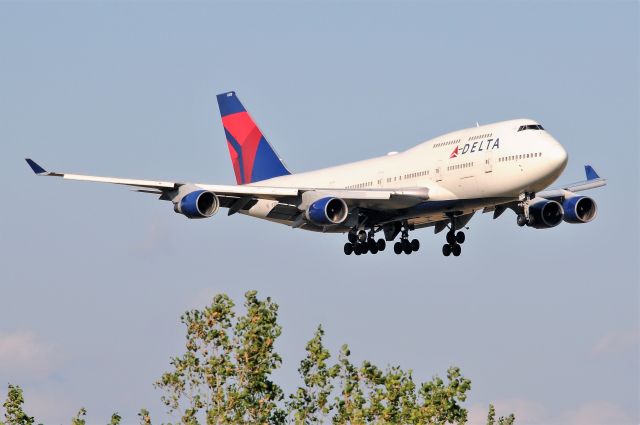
x=373 y=250
x=460 y=237
x=521 y=220
x=352 y=237
x=456 y=250
x=362 y=236
x=348 y=248
x=364 y=248
x=397 y=248
x=381 y=244
x=356 y=250
x=371 y=244
x=415 y=245
x=446 y=250
x=451 y=238
x=407 y=248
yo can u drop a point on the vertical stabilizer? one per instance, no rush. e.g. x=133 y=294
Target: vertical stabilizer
x=252 y=156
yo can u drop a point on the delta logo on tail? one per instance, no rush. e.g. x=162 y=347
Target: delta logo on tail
x=482 y=145
x=252 y=156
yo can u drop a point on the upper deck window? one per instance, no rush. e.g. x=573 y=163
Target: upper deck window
x=531 y=127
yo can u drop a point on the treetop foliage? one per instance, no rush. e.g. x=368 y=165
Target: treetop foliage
x=224 y=376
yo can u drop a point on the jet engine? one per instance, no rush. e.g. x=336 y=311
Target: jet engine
x=544 y=214
x=579 y=209
x=327 y=211
x=198 y=204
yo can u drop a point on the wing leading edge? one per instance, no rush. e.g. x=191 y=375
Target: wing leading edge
x=364 y=198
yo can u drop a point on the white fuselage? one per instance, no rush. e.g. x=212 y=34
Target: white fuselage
x=493 y=164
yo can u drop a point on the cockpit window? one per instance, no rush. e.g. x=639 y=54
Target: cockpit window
x=530 y=127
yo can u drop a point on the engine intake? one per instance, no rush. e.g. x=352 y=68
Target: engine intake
x=198 y=204
x=579 y=209
x=545 y=214
x=327 y=211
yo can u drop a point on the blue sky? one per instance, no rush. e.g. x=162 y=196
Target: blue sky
x=545 y=323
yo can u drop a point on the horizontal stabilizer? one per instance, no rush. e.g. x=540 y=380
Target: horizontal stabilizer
x=593 y=180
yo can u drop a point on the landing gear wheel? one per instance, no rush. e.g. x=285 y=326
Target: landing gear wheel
x=521 y=220
x=348 y=248
x=373 y=250
x=397 y=248
x=406 y=246
x=357 y=250
x=371 y=244
x=451 y=238
x=460 y=237
x=364 y=248
x=456 y=250
x=362 y=236
x=381 y=244
x=353 y=238
x=415 y=245
x=446 y=250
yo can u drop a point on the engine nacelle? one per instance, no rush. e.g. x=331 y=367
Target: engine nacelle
x=198 y=204
x=544 y=214
x=327 y=211
x=579 y=209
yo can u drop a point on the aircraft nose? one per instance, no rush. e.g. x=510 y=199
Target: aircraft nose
x=560 y=156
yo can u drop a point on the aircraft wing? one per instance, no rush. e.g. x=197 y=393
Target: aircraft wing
x=592 y=181
x=380 y=199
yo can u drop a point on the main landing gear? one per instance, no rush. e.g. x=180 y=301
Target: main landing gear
x=404 y=245
x=523 y=218
x=454 y=240
x=361 y=242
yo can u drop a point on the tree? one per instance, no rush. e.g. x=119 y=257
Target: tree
x=224 y=375
x=79 y=418
x=115 y=419
x=144 y=417
x=14 y=415
x=351 y=400
x=440 y=402
x=310 y=403
x=491 y=418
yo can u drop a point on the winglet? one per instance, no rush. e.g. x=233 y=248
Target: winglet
x=591 y=173
x=35 y=167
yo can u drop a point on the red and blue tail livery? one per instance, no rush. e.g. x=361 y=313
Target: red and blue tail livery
x=252 y=156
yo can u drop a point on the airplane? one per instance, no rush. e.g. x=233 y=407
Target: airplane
x=440 y=183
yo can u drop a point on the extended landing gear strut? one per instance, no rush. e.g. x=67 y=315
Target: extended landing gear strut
x=454 y=240
x=404 y=245
x=361 y=242
x=524 y=218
